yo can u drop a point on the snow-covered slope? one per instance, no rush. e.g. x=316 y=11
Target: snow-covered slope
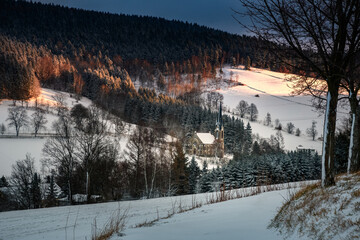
x=244 y=218
x=232 y=219
x=274 y=97
x=13 y=149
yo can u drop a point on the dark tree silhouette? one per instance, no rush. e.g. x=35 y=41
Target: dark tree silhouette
x=324 y=35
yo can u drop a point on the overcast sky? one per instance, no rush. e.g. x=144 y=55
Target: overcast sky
x=213 y=13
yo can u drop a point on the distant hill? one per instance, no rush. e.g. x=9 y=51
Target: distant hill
x=67 y=30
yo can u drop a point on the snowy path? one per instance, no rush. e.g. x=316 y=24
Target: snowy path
x=244 y=218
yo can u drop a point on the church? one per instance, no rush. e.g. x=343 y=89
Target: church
x=206 y=144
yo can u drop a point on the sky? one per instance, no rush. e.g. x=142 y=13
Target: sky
x=212 y=13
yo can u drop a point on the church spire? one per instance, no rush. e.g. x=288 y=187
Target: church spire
x=219 y=122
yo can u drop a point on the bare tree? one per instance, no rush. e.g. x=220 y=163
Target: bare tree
x=21 y=179
x=2 y=129
x=323 y=36
x=38 y=120
x=290 y=128
x=60 y=103
x=18 y=118
x=214 y=99
x=135 y=155
x=277 y=141
x=59 y=150
x=253 y=112
x=351 y=84
x=242 y=108
x=91 y=142
x=312 y=132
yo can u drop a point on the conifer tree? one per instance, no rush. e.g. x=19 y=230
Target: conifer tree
x=179 y=170
x=248 y=63
x=194 y=173
x=3 y=182
x=35 y=191
x=268 y=119
x=51 y=193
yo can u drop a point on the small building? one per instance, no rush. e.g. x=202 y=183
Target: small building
x=302 y=149
x=206 y=144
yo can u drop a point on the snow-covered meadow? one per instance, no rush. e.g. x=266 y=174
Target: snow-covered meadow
x=246 y=218
x=271 y=93
x=13 y=149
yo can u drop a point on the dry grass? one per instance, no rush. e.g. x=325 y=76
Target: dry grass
x=216 y=197
x=115 y=224
x=319 y=213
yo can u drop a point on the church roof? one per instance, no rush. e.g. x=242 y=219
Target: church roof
x=206 y=138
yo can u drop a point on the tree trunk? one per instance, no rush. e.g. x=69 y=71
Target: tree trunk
x=87 y=186
x=145 y=178
x=328 y=153
x=353 y=157
x=70 y=192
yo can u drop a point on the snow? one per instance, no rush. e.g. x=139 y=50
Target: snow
x=244 y=217
x=274 y=97
x=206 y=138
x=323 y=213
x=13 y=149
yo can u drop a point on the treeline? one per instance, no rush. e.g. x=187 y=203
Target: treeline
x=70 y=31
x=62 y=46
x=265 y=169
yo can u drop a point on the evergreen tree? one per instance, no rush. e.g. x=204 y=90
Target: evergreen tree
x=248 y=63
x=247 y=140
x=3 y=182
x=268 y=119
x=205 y=168
x=194 y=173
x=256 y=149
x=35 y=191
x=51 y=193
x=179 y=170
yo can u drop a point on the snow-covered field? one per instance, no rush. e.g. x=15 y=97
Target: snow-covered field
x=244 y=218
x=274 y=97
x=13 y=149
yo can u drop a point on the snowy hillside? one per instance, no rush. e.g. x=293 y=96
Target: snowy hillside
x=274 y=97
x=13 y=149
x=247 y=216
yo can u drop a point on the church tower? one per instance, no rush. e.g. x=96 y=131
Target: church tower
x=219 y=133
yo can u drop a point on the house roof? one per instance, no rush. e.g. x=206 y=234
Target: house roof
x=206 y=138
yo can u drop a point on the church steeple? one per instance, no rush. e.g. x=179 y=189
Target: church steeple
x=219 y=122
x=219 y=133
